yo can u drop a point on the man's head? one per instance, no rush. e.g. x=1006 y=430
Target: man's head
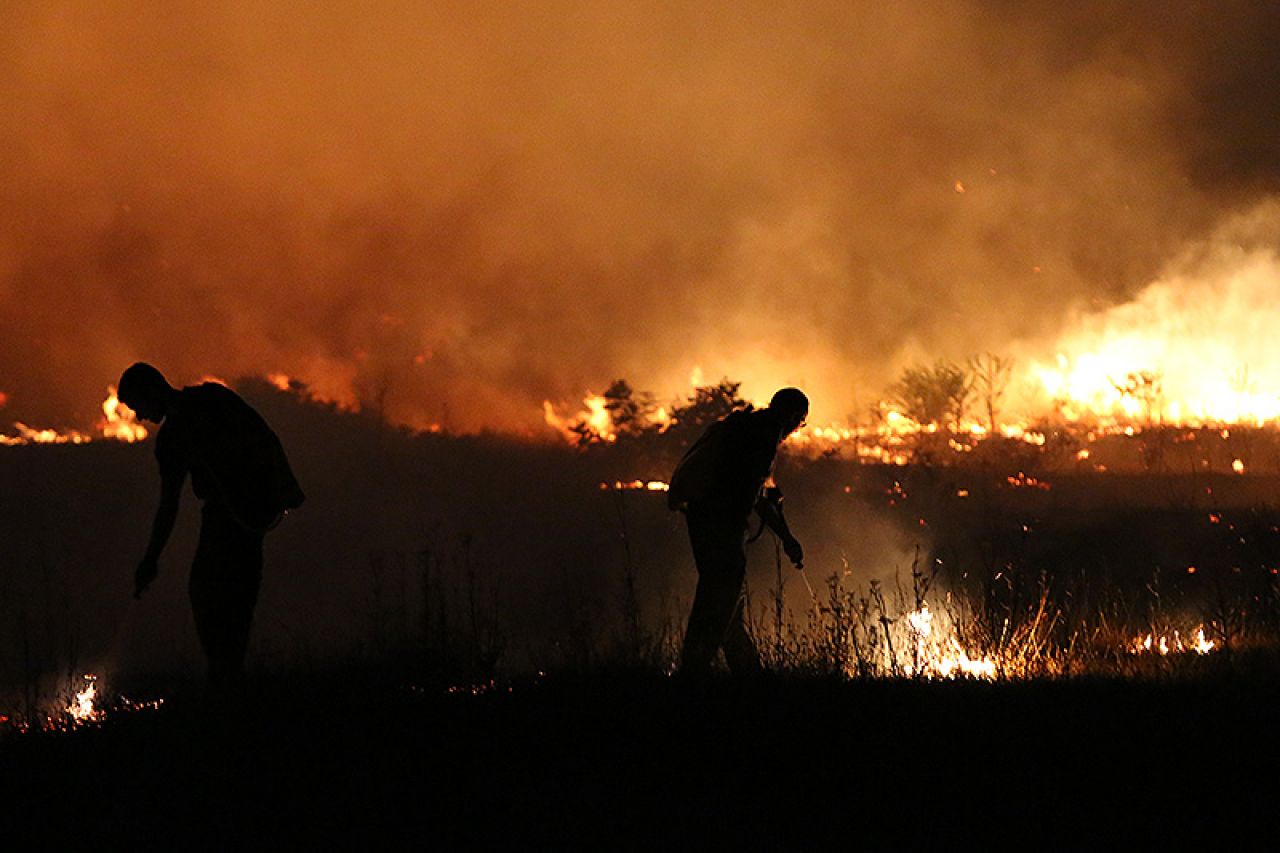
x=145 y=390
x=792 y=407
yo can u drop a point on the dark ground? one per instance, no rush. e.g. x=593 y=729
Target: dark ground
x=647 y=762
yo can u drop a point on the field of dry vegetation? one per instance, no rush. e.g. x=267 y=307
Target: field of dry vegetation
x=472 y=640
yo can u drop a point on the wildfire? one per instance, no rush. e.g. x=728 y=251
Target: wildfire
x=595 y=418
x=889 y=440
x=635 y=486
x=934 y=656
x=30 y=435
x=82 y=710
x=118 y=423
x=1192 y=349
x=1171 y=643
x=118 y=420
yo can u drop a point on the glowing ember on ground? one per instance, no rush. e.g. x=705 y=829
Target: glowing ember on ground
x=635 y=486
x=1022 y=481
x=479 y=689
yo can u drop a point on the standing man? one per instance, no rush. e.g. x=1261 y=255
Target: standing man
x=238 y=468
x=717 y=484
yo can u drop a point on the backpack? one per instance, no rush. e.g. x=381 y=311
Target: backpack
x=694 y=478
x=247 y=463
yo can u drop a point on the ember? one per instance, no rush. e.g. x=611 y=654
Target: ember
x=635 y=486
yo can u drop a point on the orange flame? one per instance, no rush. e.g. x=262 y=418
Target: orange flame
x=82 y=709
x=118 y=420
x=1172 y=642
x=594 y=416
x=118 y=423
x=1191 y=349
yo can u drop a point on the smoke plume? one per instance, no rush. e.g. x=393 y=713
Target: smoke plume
x=453 y=211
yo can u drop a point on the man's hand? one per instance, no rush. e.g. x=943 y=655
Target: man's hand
x=795 y=553
x=144 y=575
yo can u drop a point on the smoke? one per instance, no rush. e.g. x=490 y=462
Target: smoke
x=452 y=211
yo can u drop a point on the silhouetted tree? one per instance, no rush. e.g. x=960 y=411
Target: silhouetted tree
x=708 y=404
x=630 y=411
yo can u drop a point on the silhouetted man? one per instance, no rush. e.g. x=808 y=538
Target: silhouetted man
x=239 y=470
x=718 y=483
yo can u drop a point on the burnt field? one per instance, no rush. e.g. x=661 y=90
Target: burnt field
x=470 y=639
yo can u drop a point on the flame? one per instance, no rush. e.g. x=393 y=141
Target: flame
x=1171 y=642
x=594 y=416
x=942 y=657
x=119 y=422
x=31 y=435
x=1193 y=349
x=636 y=486
x=82 y=709
x=280 y=380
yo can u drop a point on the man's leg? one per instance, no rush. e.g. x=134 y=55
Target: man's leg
x=225 y=577
x=739 y=649
x=719 y=554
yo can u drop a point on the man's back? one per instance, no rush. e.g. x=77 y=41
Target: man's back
x=234 y=458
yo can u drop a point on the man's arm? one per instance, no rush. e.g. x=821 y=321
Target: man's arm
x=769 y=508
x=171 y=481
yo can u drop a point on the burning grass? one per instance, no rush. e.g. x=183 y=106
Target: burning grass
x=916 y=632
x=81 y=702
x=118 y=423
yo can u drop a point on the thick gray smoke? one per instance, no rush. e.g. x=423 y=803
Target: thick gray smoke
x=456 y=210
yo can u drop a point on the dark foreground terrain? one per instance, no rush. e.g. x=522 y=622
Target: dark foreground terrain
x=647 y=762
